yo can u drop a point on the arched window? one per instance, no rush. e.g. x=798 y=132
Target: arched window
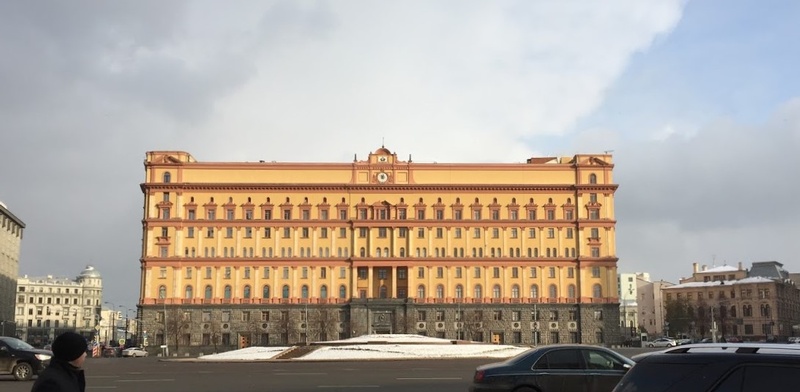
x=386 y=252
x=342 y=292
x=383 y=292
x=167 y=177
x=402 y=252
x=459 y=291
x=553 y=291
x=377 y=252
x=496 y=291
x=265 y=291
x=515 y=291
x=247 y=291
x=593 y=178
x=304 y=291
x=228 y=292
x=363 y=252
x=534 y=291
x=285 y=292
x=478 y=291
x=323 y=291
x=162 y=292
x=208 y=292
x=421 y=291
x=571 y=291
x=439 y=291
x=188 y=292
x=597 y=291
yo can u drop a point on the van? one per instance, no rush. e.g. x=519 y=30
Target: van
x=20 y=359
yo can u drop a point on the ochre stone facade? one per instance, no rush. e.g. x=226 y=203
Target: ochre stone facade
x=283 y=253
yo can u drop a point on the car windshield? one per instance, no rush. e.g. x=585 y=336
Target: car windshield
x=17 y=344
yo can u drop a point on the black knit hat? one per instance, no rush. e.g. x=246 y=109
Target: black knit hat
x=69 y=346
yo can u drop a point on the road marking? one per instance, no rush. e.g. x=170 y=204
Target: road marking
x=348 y=386
x=428 y=378
x=299 y=374
x=148 y=380
x=102 y=376
x=110 y=387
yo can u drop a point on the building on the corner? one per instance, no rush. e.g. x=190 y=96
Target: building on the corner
x=628 y=286
x=734 y=303
x=48 y=306
x=650 y=306
x=238 y=253
x=11 y=229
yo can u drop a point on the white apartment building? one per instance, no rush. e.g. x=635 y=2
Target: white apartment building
x=47 y=306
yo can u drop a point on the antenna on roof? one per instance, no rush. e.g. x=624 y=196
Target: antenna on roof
x=383 y=144
x=608 y=151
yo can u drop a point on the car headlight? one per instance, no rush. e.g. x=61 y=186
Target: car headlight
x=42 y=357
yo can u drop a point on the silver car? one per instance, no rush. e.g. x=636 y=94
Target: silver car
x=662 y=342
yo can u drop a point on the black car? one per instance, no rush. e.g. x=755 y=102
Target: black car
x=563 y=368
x=741 y=367
x=20 y=359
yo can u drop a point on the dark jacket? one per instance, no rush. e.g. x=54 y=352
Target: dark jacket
x=60 y=376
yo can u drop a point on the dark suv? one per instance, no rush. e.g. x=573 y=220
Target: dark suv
x=723 y=367
x=20 y=359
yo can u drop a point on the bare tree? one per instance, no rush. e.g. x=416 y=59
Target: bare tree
x=473 y=323
x=215 y=332
x=176 y=322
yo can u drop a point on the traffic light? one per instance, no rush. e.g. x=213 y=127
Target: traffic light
x=242 y=341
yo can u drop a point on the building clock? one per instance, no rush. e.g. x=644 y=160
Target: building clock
x=382 y=159
x=382 y=177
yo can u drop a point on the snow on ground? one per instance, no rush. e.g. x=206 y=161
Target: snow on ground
x=410 y=351
x=397 y=346
x=246 y=354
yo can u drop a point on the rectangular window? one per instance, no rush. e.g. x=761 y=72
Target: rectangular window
x=382 y=232
x=551 y=214
x=323 y=232
x=516 y=315
x=190 y=232
x=304 y=274
x=457 y=232
x=513 y=215
x=595 y=272
x=267 y=214
x=477 y=272
x=229 y=214
x=497 y=315
x=476 y=232
x=401 y=213
x=421 y=272
x=401 y=274
x=191 y=215
x=363 y=232
x=440 y=272
x=265 y=274
x=533 y=272
x=458 y=215
x=287 y=232
x=569 y=233
x=439 y=215
x=248 y=232
x=440 y=315
x=420 y=214
x=212 y=215
x=495 y=215
x=305 y=214
x=208 y=272
x=343 y=232
x=421 y=315
x=458 y=272
x=495 y=233
x=287 y=214
x=552 y=271
x=210 y=232
x=570 y=272
x=285 y=272
x=476 y=214
x=229 y=232
x=513 y=232
x=514 y=272
x=421 y=232
x=323 y=214
x=342 y=272
x=595 y=252
x=162 y=272
x=227 y=272
x=188 y=272
x=248 y=214
x=495 y=272
x=532 y=233
x=402 y=232
x=304 y=233
x=247 y=272
x=439 y=232
x=551 y=233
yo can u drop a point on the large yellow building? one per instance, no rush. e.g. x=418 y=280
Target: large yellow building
x=279 y=253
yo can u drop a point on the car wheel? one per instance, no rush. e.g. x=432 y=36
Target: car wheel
x=23 y=371
x=651 y=345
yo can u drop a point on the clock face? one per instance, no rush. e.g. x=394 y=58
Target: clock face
x=382 y=177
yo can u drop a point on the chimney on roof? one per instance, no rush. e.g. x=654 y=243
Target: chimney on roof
x=740 y=266
x=695 y=267
x=705 y=267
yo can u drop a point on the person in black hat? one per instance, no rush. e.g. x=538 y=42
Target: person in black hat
x=64 y=374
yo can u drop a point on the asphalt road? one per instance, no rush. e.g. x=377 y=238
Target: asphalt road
x=154 y=375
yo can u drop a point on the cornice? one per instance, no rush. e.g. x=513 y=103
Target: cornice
x=378 y=188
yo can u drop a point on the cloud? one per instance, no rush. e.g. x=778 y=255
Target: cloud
x=727 y=190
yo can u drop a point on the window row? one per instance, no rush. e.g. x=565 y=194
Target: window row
x=594 y=251
x=382 y=210
x=382 y=272
x=383 y=292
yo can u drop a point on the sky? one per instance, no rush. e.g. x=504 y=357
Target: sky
x=397 y=346
x=697 y=101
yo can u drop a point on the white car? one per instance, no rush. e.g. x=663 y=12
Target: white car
x=662 y=342
x=134 y=352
